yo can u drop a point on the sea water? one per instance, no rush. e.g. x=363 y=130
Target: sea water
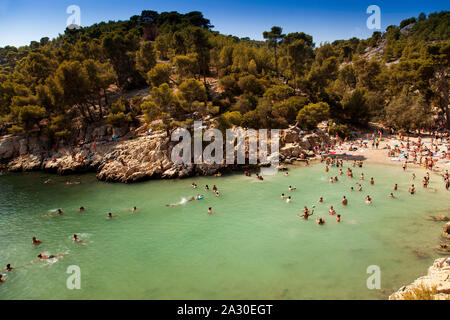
x=253 y=247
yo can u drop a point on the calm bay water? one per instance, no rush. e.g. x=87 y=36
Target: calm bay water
x=254 y=247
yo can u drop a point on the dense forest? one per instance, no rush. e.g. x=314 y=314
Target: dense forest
x=399 y=77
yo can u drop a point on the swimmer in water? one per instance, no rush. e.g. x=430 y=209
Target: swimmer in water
x=320 y=200
x=332 y=211
x=372 y=181
x=291 y=188
x=283 y=196
x=286 y=174
x=216 y=193
x=193 y=185
x=110 y=215
x=359 y=187
x=320 y=221
x=36 y=241
x=48 y=181
x=306 y=210
x=326 y=169
x=305 y=215
x=78 y=240
x=210 y=210
x=351 y=188
x=412 y=189
x=331 y=180
x=133 y=210
x=361 y=177
x=8 y=267
x=391 y=195
x=368 y=200
x=341 y=172
x=344 y=201
x=59 y=211
x=336 y=179
x=413 y=176
x=338 y=218
x=2 y=278
x=44 y=256
x=207 y=188
x=395 y=187
x=80 y=209
x=288 y=200
x=214 y=188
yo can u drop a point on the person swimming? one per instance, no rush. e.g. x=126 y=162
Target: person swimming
x=44 y=256
x=286 y=174
x=344 y=201
x=133 y=210
x=283 y=196
x=320 y=221
x=372 y=181
x=78 y=240
x=338 y=218
x=305 y=215
x=412 y=189
x=288 y=200
x=2 y=278
x=110 y=215
x=331 y=180
x=207 y=188
x=359 y=187
x=292 y=188
x=305 y=209
x=8 y=267
x=80 y=209
x=351 y=189
x=391 y=195
x=320 y=200
x=214 y=188
x=36 y=241
x=194 y=185
x=59 y=211
x=210 y=210
x=332 y=211
x=368 y=200
x=361 y=177
x=395 y=187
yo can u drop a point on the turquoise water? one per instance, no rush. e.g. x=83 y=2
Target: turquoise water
x=253 y=247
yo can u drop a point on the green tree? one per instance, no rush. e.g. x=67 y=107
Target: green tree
x=273 y=37
x=159 y=74
x=312 y=114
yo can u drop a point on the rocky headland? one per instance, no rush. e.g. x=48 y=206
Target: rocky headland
x=130 y=154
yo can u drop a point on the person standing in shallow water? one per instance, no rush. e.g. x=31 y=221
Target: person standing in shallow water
x=344 y=201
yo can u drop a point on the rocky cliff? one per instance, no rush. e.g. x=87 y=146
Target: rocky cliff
x=131 y=156
x=435 y=285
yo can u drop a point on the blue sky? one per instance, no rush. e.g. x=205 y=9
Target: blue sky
x=326 y=20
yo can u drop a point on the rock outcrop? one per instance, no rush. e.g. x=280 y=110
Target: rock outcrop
x=436 y=283
x=131 y=156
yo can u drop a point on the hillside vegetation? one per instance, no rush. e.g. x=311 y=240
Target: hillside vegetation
x=399 y=77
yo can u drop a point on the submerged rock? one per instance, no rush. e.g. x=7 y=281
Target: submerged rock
x=438 y=217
